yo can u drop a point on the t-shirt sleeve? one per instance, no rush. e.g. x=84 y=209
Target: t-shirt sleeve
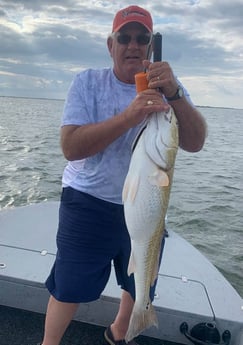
x=75 y=110
x=186 y=93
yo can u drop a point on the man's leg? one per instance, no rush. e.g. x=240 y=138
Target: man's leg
x=58 y=317
x=120 y=325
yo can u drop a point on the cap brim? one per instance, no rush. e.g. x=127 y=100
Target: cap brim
x=132 y=21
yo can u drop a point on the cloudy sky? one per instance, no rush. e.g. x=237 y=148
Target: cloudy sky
x=44 y=43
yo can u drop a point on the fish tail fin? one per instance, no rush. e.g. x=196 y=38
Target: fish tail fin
x=141 y=320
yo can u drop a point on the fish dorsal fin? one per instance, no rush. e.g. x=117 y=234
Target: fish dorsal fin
x=159 y=178
x=155 y=274
x=156 y=267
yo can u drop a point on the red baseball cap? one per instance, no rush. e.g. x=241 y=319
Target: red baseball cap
x=132 y=14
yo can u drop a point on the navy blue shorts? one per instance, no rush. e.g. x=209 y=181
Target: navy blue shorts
x=91 y=234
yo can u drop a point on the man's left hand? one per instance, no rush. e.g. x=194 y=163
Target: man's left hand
x=160 y=75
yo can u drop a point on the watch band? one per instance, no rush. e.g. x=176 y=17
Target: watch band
x=179 y=94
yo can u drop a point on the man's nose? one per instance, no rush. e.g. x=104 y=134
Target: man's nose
x=133 y=42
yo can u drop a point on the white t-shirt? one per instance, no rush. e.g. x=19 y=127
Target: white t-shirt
x=94 y=96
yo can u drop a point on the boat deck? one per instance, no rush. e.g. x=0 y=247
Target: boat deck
x=190 y=289
x=26 y=328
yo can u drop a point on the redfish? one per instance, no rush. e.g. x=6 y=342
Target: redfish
x=146 y=195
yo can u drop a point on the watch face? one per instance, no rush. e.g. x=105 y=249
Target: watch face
x=180 y=92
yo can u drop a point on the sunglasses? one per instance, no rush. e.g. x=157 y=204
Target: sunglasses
x=141 y=39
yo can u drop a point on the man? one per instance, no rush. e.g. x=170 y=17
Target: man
x=102 y=116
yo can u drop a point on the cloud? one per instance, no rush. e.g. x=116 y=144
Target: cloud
x=44 y=43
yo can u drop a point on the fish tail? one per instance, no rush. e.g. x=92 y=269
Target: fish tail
x=141 y=320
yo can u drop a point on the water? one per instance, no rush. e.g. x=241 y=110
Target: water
x=207 y=195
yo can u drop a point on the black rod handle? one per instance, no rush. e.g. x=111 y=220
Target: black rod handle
x=157 y=55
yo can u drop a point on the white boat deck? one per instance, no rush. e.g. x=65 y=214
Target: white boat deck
x=190 y=289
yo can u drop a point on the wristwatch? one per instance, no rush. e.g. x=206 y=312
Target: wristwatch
x=179 y=94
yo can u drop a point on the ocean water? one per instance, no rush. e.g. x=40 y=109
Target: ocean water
x=206 y=205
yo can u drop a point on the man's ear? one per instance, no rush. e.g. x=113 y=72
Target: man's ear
x=109 y=44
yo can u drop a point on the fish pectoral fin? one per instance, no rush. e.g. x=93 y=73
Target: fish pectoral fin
x=131 y=265
x=130 y=188
x=125 y=191
x=159 y=178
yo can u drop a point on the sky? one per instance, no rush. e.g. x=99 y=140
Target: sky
x=44 y=43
